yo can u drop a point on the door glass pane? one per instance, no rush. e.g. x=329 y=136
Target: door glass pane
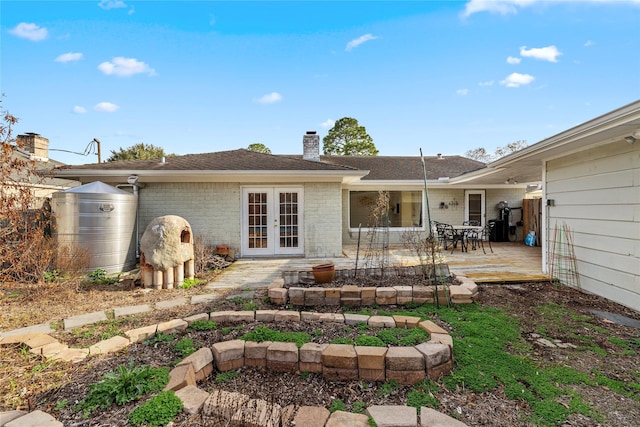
x=475 y=207
x=257 y=211
x=288 y=217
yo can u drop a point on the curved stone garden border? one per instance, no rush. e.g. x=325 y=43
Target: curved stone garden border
x=406 y=365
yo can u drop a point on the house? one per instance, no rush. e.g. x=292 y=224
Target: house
x=590 y=176
x=299 y=205
x=32 y=150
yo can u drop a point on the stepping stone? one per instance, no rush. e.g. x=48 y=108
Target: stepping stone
x=172 y=326
x=111 y=345
x=84 y=319
x=35 y=419
x=203 y=299
x=192 y=399
x=311 y=416
x=130 y=310
x=7 y=416
x=171 y=303
x=42 y=328
x=354 y=319
x=431 y=418
x=347 y=419
x=393 y=415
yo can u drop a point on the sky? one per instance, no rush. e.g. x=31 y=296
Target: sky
x=203 y=76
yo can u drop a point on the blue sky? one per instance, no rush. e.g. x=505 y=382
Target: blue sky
x=203 y=76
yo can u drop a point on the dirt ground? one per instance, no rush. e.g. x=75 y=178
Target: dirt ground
x=27 y=382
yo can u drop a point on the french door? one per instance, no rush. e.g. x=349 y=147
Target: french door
x=474 y=206
x=272 y=221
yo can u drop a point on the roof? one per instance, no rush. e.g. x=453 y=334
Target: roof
x=407 y=168
x=233 y=160
x=386 y=168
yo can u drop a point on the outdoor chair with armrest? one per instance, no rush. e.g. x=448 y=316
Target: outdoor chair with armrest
x=477 y=237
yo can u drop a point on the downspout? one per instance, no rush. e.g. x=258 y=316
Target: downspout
x=135 y=186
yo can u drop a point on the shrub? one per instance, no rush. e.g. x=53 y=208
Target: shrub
x=157 y=411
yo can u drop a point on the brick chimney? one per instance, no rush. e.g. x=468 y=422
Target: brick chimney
x=311 y=146
x=34 y=144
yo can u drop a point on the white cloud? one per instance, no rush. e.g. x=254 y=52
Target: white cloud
x=357 y=42
x=270 y=98
x=511 y=7
x=125 y=67
x=503 y=7
x=588 y=43
x=462 y=92
x=513 y=60
x=69 y=57
x=79 y=110
x=29 y=31
x=106 y=107
x=487 y=83
x=517 y=79
x=328 y=123
x=549 y=53
x=111 y=4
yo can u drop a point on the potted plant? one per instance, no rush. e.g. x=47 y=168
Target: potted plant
x=324 y=273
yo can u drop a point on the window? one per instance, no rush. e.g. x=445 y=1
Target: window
x=405 y=208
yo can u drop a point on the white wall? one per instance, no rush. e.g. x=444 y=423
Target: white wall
x=596 y=193
x=213 y=211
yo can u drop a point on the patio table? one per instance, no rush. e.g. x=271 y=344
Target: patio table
x=464 y=231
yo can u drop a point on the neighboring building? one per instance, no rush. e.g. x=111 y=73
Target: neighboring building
x=34 y=147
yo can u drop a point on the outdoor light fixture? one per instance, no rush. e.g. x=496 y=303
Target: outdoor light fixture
x=511 y=180
x=631 y=139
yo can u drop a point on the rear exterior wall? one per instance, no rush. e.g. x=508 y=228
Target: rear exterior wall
x=596 y=195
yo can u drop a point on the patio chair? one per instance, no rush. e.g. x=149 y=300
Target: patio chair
x=448 y=235
x=478 y=237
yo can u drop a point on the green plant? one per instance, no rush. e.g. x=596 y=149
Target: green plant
x=423 y=395
x=403 y=337
x=99 y=276
x=51 y=276
x=60 y=405
x=250 y=306
x=358 y=407
x=337 y=405
x=369 y=341
x=157 y=411
x=223 y=377
x=185 y=347
x=342 y=340
x=203 y=325
x=388 y=388
x=226 y=330
x=159 y=338
x=122 y=385
x=190 y=283
x=371 y=422
x=304 y=375
x=262 y=333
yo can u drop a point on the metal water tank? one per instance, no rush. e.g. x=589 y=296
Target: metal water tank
x=99 y=220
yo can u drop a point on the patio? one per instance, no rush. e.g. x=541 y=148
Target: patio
x=509 y=262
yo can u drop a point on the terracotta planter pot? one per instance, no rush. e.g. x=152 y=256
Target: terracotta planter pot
x=324 y=273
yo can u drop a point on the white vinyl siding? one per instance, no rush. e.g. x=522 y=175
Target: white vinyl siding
x=597 y=194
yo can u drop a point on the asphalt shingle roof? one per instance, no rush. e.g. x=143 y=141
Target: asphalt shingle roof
x=380 y=167
x=233 y=160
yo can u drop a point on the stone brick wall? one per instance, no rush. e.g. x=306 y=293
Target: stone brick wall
x=212 y=209
x=322 y=220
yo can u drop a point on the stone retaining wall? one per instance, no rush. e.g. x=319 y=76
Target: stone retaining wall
x=350 y=295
